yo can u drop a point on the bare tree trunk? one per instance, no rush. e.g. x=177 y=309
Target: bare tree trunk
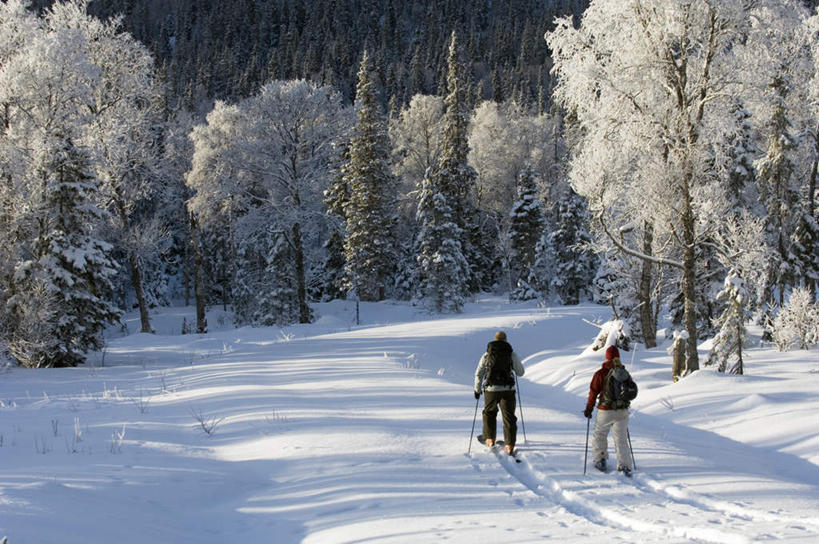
x=301 y=283
x=646 y=318
x=198 y=280
x=689 y=280
x=136 y=272
x=678 y=357
x=187 y=262
x=738 y=368
x=136 y=280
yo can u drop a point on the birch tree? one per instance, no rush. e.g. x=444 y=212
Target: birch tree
x=650 y=83
x=262 y=165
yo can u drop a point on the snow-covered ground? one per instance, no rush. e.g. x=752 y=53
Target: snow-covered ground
x=335 y=433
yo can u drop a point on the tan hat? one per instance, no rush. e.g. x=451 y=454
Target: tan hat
x=500 y=335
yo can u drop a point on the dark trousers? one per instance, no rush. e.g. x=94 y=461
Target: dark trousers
x=506 y=401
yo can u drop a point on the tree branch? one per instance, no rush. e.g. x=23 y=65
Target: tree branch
x=628 y=251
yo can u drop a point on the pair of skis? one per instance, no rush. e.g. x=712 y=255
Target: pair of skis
x=498 y=447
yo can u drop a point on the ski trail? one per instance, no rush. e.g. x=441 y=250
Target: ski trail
x=684 y=495
x=574 y=503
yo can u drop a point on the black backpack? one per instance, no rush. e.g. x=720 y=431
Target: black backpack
x=618 y=389
x=499 y=364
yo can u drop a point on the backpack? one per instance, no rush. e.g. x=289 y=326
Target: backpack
x=499 y=364
x=618 y=388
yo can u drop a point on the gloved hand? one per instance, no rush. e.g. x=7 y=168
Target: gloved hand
x=588 y=413
x=477 y=395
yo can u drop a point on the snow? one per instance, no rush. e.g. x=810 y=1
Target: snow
x=334 y=433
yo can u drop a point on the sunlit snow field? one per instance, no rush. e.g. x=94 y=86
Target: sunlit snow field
x=336 y=433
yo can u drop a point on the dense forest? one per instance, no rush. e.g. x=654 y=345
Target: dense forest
x=206 y=49
x=657 y=157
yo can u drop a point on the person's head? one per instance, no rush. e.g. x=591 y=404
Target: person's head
x=500 y=335
x=612 y=353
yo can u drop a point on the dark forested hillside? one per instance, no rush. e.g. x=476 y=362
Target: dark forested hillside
x=213 y=49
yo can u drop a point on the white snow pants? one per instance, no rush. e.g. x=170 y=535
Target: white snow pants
x=617 y=420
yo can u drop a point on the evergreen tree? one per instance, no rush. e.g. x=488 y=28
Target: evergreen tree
x=248 y=281
x=726 y=351
x=337 y=195
x=804 y=247
x=774 y=171
x=332 y=273
x=369 y=212
x=279 y=301
x=454 y=177
x=539 y=283
x=525 y=229
x=442 y=268
x=71 y=267
x=574 y=263
x=741 y=150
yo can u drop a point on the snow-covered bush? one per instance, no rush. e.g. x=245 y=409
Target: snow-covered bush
x=797 y=323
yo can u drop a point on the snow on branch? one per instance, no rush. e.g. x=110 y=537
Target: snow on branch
x=634 y=253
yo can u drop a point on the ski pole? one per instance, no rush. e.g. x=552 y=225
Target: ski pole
x=586 y=455
x=474 y=418
x=633 y=462
x=520 y=403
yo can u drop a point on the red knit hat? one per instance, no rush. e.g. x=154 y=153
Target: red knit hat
x=612 y=352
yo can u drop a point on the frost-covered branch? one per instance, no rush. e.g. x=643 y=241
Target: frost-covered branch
x=632 y=252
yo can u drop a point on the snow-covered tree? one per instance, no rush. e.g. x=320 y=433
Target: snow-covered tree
x=454 y=177
x=775 y=172
x=569 y=239
x=70 y=268
x=369 y=212
x=736 y=162
x=539 y=283
x=726 y=350
x=48 y=90
x=442 y=268
x=279 y=302
x=332 y=271
x=650 y=84
x=526 y=224
x=416 y=138
x=797 y=323
x=778 y=61
x=504 y=141
x=263 y=164
x=121 y=135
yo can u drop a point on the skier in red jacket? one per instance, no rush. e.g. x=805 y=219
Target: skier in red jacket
x=611 y=414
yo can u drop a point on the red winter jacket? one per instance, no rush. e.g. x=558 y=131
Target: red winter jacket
x=597 y=385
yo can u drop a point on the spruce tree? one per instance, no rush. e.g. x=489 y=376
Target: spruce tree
x=539 y=283
x=72 y=269
x=525 y=229
x=804 y=248
x=279 y=302
x=369 y=212
x=574 y=263
x=740 y=150
x=332 y=277
x=442 y=268
x=726 y=351
x=454 y=177
x=248 y=280
x=774 y=171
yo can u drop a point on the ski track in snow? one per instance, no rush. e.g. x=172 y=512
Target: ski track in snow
x=683 y=495
x=578 y=505
x=680 y=506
